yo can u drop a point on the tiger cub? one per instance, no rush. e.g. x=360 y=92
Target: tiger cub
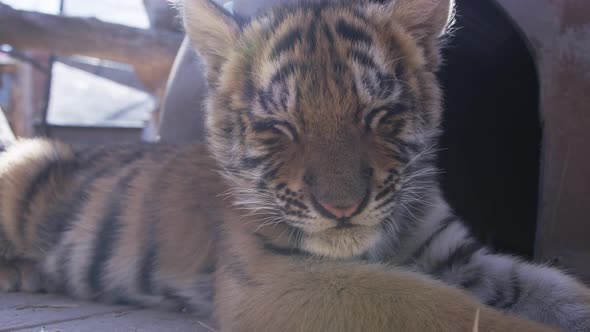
x=149 y=226
x=322 y=118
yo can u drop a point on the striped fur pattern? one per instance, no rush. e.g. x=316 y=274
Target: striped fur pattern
x=322 y=117
x=330 y=111
x=147 y=226
x=88 y=223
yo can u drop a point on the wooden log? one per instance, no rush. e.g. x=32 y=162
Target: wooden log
x=151 y=52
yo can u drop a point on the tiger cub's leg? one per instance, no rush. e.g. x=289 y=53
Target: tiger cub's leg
x=20 y=275
x=34 y=177
x=445 y=249
x=266 y=293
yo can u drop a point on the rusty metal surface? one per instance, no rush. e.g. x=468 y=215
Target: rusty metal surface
x=559 y=32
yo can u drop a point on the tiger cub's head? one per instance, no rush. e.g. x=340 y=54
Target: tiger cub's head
x=323 y=114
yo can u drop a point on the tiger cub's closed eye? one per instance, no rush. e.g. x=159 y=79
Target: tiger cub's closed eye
x=382 y=115
x=282 y=128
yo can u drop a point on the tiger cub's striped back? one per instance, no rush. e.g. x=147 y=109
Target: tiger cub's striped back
x=127 y=224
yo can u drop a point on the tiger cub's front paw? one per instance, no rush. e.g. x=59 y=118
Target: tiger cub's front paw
x=9 y=277
x=19 y=275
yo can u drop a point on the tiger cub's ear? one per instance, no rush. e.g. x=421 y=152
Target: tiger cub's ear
x=212 y=31
x=424 y=18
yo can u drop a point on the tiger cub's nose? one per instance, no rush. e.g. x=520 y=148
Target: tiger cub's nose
x=341 y=212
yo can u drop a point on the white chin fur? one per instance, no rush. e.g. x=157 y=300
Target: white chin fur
x=342 y=243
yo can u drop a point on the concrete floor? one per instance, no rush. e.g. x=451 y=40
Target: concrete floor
x=50 y=313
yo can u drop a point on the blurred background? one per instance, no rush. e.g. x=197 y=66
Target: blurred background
x=88 y=71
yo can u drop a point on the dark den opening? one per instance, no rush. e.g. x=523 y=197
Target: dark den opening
x=492 y=131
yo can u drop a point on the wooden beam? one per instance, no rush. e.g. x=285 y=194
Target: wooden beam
x=151 y=52
x=124 y=76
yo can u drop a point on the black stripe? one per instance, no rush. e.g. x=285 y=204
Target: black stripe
x=352 y=33
x=253 y=162
x=328 y=32
x=270 y=174
x=369 y=84
x=238 y=272
x=286 y=42
x=148 y=264
x=392 y=173
x=284 y=98
x=390 y=111
x=241 y=125
x=444 y=224
x=62 y=269
x=497 y=298
x=402 y=158
x=249 y=87
x=266 y=102
x=516 y=290
x=384 y=192
x=86 y=156
x=339 y=67
x=297 y=203
x=59 y=221
x=271 y=125
x=284 y=251
x=228 y=128
x=277 y=19
x=317 y=11
x=363 y=59
x=270 y=142
x=266 y=125
x=147 y=269
x=460 y=256
x=411 y=148
x=386 y=84
x=105 y=242
x=278 y=250
x=386 y=202
x=40 y=181
x=395 y=110
x=285 y=71
x=473 y=279
x=311 y=37
x=400 y=70
x=6 y=246
x=369 y=118
x=359 y=14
